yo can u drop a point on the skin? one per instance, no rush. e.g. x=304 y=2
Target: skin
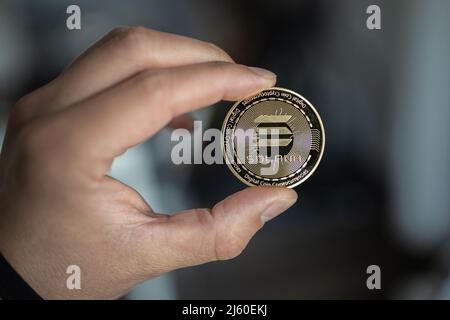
x=58 y=206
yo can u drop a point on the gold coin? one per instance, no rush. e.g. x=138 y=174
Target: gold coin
x=274 y=138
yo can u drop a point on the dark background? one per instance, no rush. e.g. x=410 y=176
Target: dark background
x=380 y=195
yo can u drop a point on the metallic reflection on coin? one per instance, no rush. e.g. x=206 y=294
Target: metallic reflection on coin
x=274 y=138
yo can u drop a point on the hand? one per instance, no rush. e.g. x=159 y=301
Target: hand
x=58 y=206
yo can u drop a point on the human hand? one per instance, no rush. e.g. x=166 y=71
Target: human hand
x=58 y=206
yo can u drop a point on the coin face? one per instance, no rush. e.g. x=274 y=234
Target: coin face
x=275 y=138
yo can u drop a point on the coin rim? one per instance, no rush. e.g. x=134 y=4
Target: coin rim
x=222 y=142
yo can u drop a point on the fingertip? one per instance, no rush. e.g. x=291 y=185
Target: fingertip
x=290 y=193
x=264 y=73
x=243 y=81
x=266 y=77
x=271 y=193
x=275 y=200
x=277 y=207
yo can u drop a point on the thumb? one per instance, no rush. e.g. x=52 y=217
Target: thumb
x=201 y=235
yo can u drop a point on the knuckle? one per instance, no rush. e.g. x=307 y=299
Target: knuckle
x=207 y=243
x=132 y=39
x=134 y=32
x=227 y=243
x=204 y=218
x=229 y=248
x=21 y=111
x=157 y=85
x=117 y=31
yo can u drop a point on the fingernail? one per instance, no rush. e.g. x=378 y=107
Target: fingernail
x=263 y=72
x=277 y=207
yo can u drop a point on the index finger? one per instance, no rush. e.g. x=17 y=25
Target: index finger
x=108 y=124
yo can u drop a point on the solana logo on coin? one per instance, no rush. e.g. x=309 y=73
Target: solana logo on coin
x=274 y=133
x=274 y=138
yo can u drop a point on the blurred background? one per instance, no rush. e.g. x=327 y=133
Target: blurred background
x=381 y=193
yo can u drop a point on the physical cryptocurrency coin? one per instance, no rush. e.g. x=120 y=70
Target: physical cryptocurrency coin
x=275 y=138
